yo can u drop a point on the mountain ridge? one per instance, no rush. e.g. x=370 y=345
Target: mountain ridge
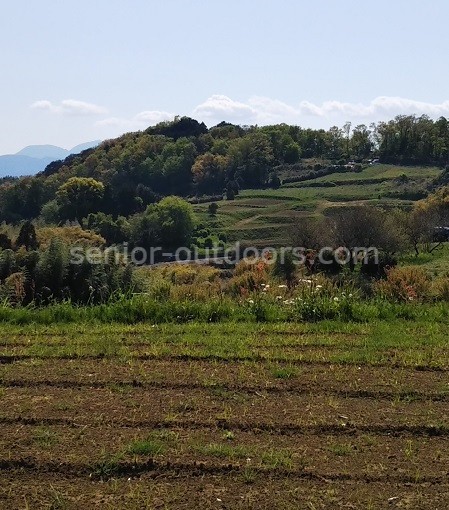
x=33 y=159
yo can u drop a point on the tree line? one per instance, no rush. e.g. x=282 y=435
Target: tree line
x=124 y=176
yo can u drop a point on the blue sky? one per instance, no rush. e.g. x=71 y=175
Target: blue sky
x=79 y=71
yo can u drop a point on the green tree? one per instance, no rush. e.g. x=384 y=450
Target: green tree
x=52 y=268
x=361 y=143
x=209 y=173
x=253 y=157
x=169 y=223
x=27 y=237
x=79 y=196
x=212 y=209
x=176 y=221
x=5 y=242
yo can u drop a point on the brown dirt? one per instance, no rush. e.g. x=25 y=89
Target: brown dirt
x=329 y=436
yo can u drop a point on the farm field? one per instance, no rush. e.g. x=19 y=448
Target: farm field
x=228 y=415
x=263 y=217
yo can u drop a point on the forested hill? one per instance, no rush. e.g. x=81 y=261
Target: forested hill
x=183 y=157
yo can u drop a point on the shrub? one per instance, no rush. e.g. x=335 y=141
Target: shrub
x=181 y=274
x=73 y=235
x=244 y=284
x=15 y=288
x=440 y=288
x=212 y=209
x=248 y=277
x=403 y=284
x=209 y=242
x=204 y=291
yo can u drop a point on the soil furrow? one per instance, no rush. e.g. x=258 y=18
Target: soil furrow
x=157 y=469
x=225 y=359
x=236 y=388
x=346 y=428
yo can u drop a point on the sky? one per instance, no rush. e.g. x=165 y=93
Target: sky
x=73 y=72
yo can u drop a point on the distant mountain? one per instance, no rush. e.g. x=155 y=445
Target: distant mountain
x=34 y=158
x=43 y=152
x=84 y=146
x=16 y=166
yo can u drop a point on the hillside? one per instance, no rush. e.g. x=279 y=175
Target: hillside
x=263 y=217
x=270 y=176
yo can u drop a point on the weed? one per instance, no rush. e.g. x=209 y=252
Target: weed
x=58 y=501
x=108 y=465
x=341 y=450
x=146 y=447
x=277 y=458
x=63 y=406
x=284 y=372
x=222 y=450
x=45 y=436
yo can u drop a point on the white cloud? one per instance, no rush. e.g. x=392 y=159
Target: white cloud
x=43 y=105
x=224 y=108
x=380 y=106
x=139 y=121
x=272 y=110
x=70 y=107
x=264 y=110
x=153 y=117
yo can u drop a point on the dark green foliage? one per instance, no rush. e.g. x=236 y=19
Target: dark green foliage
x=274 y=181
x=7 y=264
x=285 y=267
x=27 y=237
x=5 y=242
x=230 y=193
x=179 y=128
x=212 y=209
x=209 y=242
x=113 y=231
x=414 y=140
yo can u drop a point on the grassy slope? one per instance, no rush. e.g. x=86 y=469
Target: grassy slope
x=262 y=217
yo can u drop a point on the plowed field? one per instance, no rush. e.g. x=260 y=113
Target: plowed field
x=223 y=416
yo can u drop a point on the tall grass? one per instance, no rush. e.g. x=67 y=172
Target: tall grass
x=145 y=309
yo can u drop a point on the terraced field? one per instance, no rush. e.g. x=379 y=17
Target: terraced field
x=220 y=416
x=263 y=217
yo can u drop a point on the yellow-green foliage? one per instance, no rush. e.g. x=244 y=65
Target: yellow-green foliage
x=185 y=274
x=410 y=283
x=10 y=230
x=70 y=236
x=440 y=288
x=202 y=291
x=180 y=281
x=438 y=201
x=15 y=288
